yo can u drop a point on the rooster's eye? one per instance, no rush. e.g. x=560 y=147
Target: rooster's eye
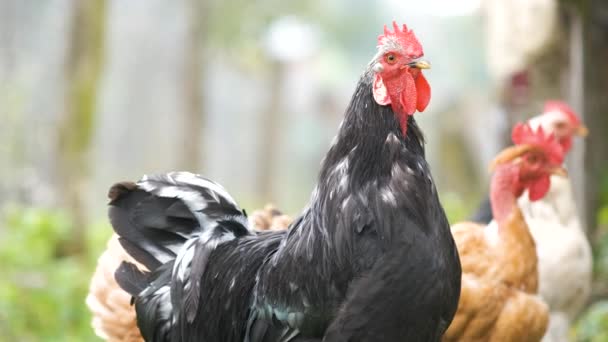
x=390 y=58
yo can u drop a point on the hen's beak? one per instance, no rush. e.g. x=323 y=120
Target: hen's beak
x=420 y=65
x=559 y=171
x=581 y=131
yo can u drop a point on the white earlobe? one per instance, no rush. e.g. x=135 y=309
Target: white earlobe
x=380 y=93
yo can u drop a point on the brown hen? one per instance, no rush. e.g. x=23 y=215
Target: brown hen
x=498 y=300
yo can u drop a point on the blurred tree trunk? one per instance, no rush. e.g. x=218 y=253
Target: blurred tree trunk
x=574 y=90
x=84 y=61
x=557 y=72
x=270 y=127
x=595 y=14
x=192 y=152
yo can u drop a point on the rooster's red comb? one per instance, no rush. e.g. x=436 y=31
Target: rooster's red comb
x=523 y=134
x=402 y=39
x=562 y=107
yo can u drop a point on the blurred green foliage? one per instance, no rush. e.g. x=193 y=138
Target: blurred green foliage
x=457 y=209
x=42 y=292
x=593 y=324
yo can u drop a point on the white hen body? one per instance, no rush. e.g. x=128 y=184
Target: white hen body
x=564 y=255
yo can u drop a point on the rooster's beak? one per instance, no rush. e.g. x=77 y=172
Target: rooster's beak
x=420 y=65
x=581 y=131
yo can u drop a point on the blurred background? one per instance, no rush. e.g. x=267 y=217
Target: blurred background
x=250 y=93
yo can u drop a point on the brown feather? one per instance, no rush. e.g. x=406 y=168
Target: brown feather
x=113 y=316
x=498 y=300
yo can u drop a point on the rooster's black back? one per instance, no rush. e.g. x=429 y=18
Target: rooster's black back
x=371 y=258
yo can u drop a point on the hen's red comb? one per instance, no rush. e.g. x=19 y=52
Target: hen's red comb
x=562 y=107
x=523 y=134
x=404 y=38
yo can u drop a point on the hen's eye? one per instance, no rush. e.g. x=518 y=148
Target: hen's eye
x=533 y=158
x=390 y=58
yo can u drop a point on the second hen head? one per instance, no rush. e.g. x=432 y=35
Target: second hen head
x=527 y=165
x=561 y=120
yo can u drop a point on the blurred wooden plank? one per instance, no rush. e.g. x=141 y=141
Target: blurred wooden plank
x=193 y=120
x=595 y=14
x=83 y=68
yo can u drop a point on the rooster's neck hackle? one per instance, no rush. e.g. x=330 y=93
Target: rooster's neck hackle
x=361 y=140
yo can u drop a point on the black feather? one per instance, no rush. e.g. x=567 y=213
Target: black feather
x=153 y=306
x=130 y=278
x=199 y=262
x=178 y=210
x=139 y=242
x=139 y=254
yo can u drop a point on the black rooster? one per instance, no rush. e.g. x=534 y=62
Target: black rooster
x=371 y=258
